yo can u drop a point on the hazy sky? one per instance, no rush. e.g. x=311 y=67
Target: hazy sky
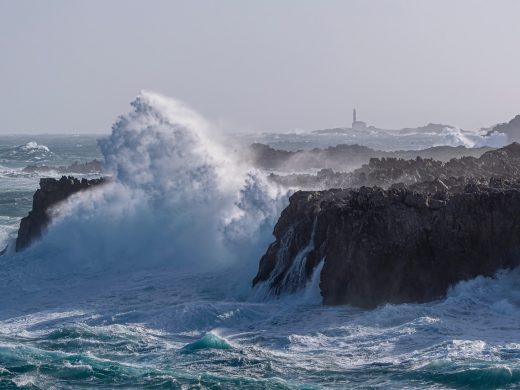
x=73 y=66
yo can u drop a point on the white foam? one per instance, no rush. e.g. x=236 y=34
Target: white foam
x=453 y=136
x=33 y=145
x=179 y=200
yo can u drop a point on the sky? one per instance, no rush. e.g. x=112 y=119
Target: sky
x=73 y=66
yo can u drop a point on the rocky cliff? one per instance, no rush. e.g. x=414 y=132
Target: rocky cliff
x=50 y=193
x=383 y=172
x=346 y=157
x=392 y=246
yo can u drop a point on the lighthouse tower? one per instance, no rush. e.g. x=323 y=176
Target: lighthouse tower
x=357 y=125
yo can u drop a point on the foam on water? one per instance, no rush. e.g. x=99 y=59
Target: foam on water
x=146 y=283
x=172 y=190
x=387 y=140
x=171 y=326
x=453 y=136
x=34 y=146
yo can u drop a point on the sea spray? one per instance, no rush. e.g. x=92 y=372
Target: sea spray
x=132 y=336
x=453 y=136
x=178 y=200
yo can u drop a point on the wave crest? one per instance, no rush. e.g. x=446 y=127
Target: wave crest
x=178 y=199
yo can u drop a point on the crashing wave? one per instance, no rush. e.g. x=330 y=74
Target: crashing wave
x=453 y=136
x=178 y=200
x=33 y=145
x=494 y=140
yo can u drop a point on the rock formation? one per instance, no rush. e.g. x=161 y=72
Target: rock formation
x=384 y=172
x=346 y=157
x=50 y=193
x=393 y=246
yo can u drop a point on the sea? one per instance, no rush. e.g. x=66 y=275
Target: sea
x=145 y=282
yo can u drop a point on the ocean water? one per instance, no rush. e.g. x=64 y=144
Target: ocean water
x=146 y=282
x=386 y=140
x=17 y=187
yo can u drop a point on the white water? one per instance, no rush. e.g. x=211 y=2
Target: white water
x=177 y=201
x=146 y=282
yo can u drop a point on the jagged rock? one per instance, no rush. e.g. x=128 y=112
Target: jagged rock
x=50 y=193
x=388 y=171
x=393 y=246
x=346 y=157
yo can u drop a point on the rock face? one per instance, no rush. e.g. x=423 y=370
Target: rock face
x=50 y=193
x=384 y=172
x=393 y=246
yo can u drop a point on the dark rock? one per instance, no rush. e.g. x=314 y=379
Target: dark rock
x=346 y=157
x=50 y=193
x=387 y=171
x=393 y=246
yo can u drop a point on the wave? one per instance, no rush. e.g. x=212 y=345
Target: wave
x=466 y=340
x=208 y=341
x=30 y=152
x=179 y=200
x=494 y=140
x=453 y=136
x=33 y=145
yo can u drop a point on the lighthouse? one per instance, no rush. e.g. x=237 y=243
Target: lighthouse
x=357 y=125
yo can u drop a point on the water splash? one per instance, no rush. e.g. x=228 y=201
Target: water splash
x=179 y=200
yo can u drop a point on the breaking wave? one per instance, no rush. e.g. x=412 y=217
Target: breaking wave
x=148 y=258
x=178 y=200
x=453 y=136
x=33 y=146
x=494 y=140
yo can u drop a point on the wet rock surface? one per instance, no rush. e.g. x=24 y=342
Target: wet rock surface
x=396 y=245
x=50 y=193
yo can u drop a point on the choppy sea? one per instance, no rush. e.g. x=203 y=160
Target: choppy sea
x=146 y=283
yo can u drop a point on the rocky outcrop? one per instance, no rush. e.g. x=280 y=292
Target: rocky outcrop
x=346 y=157
x=384 y=172
x=393 y=246
x=50 y=193
x=91 y=167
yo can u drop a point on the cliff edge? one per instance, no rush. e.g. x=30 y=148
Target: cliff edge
x=393 y=246
x=50 y=193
